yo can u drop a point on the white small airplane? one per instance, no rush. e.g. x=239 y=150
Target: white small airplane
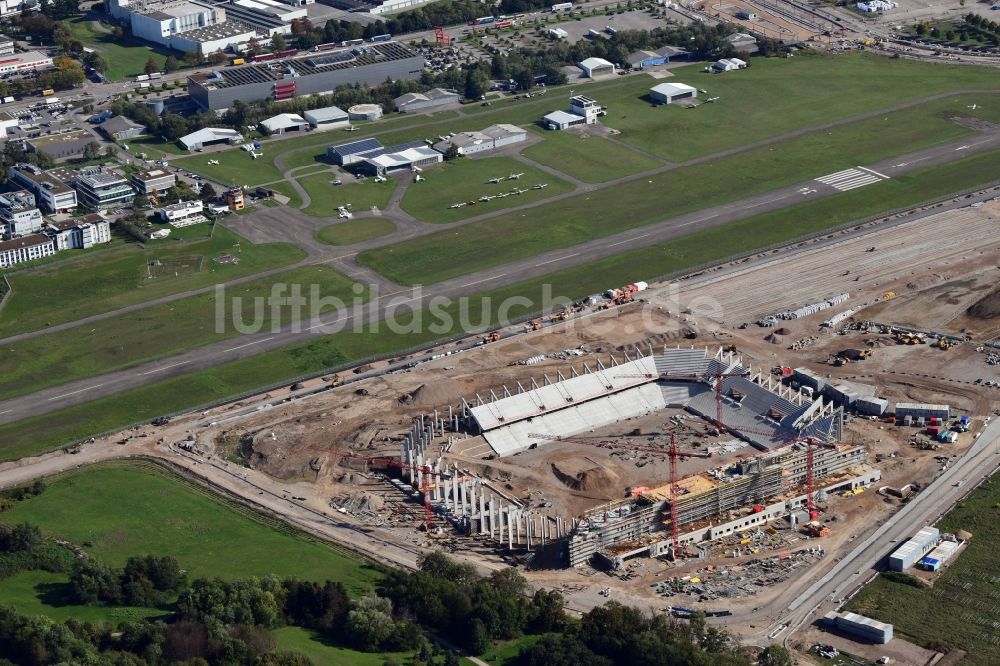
x=518 y=190
x=494 y=180
x=350 y=128
x=486 y=197
x=514 y=176
x=712 y=99
x=702 y=91
x=973 y=107
x=337 y=182
x=380 y=179
x=418 y=178
x=213 y=161
x=255 y=155
x=539 y=186
x=458 y=205
x=503 y=194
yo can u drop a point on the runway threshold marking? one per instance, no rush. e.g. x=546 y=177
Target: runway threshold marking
x=848 y=179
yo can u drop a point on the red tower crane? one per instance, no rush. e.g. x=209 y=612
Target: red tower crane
x=424 y=486
x=441 y=36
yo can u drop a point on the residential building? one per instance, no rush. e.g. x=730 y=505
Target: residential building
x=491 y=138
x=6 y=45
x=183 y=213
x=305 y=74
x=80 y=233
x=326 y=118
x=154 y=180
x=101 y=188
x=19 y=215
x=435 y=98
x=25 y=248
x=51 y=194
x=25 y=62
x=120 y=128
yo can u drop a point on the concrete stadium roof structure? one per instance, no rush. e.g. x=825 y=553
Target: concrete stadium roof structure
x=765 y=415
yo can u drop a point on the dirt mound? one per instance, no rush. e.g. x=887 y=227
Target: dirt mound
x=437 y=393
x=775 y=339
x=782 y=331
x=987 y=307
x=590 y=479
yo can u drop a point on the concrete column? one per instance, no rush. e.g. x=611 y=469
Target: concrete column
x=528 y=518
x=510 y=532
x=492 y=516
x=482 y=513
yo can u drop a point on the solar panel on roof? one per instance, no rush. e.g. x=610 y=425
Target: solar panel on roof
x=331 y=59
x=355 y=147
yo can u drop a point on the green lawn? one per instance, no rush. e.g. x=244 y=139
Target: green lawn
x=154 y=147
x=321 y=651
x=117 y=511
x=285 y=188
x=163 y=330
x=465 y=180
x=235 y=166
x=49 y=431
x=592 y=159
x=326 y=197
x=103 y=281
x=961 y=609
x=355 y=231
x=45 y=593
x=776 y=96
x=504 y=653
x=435 y=257
x=126 y=57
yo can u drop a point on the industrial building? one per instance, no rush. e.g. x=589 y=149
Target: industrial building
x=25 y=248
x=410 y=157
x=364 y=112
x=491 y=138
x=668 y=93
x=283 y=122
x=154 y=180
x=6 y=45
x=120 y=128
x=728 y=65
x=51 y=193
x=312 y=74
x=941 y=554
x=435 y=98
x=62 y=145
x=582 y=111
x=859 y=626
x=345 y=154
x=917 y=411
x=25 y=62
x=19 y=215
x=101 y=188
x=595 y=67
x=910 y=552
x=326 y=118
x=183 y=25
x=209 y=136
x=7 y=123
x=80 y=233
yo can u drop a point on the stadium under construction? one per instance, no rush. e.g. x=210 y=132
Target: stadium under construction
x=799 y=456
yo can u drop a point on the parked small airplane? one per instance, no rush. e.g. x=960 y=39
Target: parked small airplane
x=539 y=186
x=973 y=107
x=494 y=180
x=514 y=176
x=458 y=205
x=350 y=128
x=213 y=161
x=418 y=178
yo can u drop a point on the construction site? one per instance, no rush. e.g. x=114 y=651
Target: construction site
x=679 y=453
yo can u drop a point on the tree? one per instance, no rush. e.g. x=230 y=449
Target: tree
x=452 y=152
x=91 y=151
x=151 y=65
x=775 y=655
x=207 y=192
x=24 y=536
x=171 y=64
x=278 y=42
x=478 y=638
x=109 y=151
x=369 y=624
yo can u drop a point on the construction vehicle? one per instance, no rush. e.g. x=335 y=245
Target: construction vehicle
x=889 y=295
x=533 y=325
x=942 y=343
x=492 y=336
x=816 y=529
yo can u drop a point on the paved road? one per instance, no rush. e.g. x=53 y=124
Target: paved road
x=84 y=390
x=798 y=606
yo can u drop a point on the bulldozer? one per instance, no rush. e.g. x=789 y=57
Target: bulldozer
x=942 y=343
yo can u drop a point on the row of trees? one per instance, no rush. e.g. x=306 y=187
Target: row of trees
x=144 y=581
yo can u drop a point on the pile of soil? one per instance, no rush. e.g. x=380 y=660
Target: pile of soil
x=438 y=393
x=592 y=479
x=782 y=331
x=987 y=307
x=775 y=339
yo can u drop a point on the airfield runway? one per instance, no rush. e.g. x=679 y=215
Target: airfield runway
x=77 y=392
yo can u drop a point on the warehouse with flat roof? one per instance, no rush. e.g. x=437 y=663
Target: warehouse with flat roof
x=668 y=93
x=907 y=555
x=311 y=74
x=859 y=626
